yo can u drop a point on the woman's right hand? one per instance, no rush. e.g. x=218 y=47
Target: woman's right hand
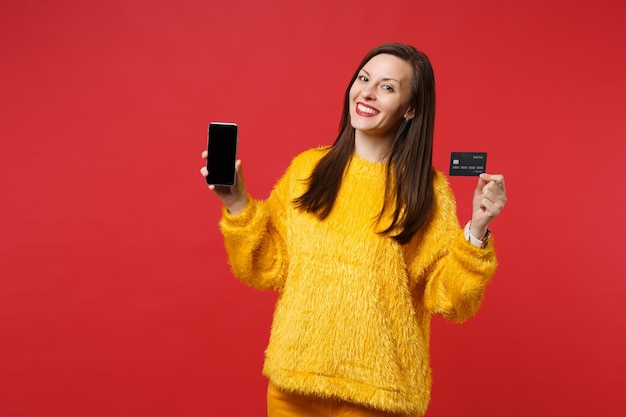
x=234 y=197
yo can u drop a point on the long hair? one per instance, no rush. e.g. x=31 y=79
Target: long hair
x=409 y=189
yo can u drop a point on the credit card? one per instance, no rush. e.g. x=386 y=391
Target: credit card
x=468 y=164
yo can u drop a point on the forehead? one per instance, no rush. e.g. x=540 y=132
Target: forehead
x=388 y=67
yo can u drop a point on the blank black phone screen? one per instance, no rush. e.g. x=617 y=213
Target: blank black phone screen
x=222 y=148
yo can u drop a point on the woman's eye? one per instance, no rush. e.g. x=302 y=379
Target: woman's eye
x=362 y=78
x=388 y=87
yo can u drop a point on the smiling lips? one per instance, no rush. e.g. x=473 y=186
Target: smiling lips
x=364 y=110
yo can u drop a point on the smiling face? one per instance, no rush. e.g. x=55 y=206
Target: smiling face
x=379 y=96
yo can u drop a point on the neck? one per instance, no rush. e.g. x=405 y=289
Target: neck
x=372 y=148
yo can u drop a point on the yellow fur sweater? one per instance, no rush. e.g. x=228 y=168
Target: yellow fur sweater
x=352 y=319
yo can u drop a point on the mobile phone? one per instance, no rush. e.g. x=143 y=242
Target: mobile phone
x=222 y=149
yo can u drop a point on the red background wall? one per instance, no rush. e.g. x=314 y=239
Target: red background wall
x=115 y=295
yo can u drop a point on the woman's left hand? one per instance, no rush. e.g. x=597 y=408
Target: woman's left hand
x=489 y=200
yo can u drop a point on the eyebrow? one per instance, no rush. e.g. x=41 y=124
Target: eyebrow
x=384 y=79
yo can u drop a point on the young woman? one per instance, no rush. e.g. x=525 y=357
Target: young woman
x=362 y=242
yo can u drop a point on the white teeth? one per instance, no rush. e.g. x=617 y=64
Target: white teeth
x=366 y=109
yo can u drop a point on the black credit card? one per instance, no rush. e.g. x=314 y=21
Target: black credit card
x=469 y=164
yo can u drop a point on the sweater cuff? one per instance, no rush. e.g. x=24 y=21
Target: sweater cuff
x=486 y=253
x=241 y=219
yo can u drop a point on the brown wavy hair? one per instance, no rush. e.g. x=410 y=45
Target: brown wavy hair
x=409 y=189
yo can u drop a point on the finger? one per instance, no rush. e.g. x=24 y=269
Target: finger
x=492 y=190
x=490 y=208
x=204 y=171
x=205 y=154
x=239 y=171
x=496 y=194
x=496 y=178
x=493 y=203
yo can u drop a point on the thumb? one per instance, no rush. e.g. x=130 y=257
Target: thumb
x=483 y=179
x=240 y=183
x=238 y=169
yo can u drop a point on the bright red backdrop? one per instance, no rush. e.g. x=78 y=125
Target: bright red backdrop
x=115 y=295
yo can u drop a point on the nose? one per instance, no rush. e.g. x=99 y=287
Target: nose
x=368 y=92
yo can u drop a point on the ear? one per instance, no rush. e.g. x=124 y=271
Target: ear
x=409 y=114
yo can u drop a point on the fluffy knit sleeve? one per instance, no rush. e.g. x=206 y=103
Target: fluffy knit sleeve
x=254 y=239
x=457 y=272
